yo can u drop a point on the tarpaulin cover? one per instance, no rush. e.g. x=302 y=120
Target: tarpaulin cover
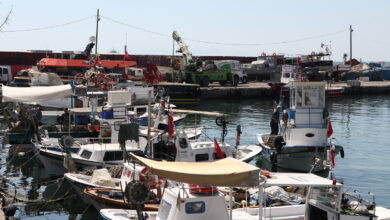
x=227 y=172
x=35 y=94
x=51 y=62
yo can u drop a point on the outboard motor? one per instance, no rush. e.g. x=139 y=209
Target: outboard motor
x=136 y=194
x=278 y=143
x=222 y=122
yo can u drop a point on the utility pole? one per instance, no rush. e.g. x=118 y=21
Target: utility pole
x=97 y=30
x=350 y=45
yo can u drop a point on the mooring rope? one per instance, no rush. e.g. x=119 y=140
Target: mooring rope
x=22 y=164
x=36 y=184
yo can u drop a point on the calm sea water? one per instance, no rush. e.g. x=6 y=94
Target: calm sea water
x=360 y=125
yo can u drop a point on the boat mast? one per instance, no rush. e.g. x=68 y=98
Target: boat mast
x=350 y=46
x=97 y=30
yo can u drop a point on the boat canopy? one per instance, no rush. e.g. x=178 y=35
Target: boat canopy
x=227 y=172
x=298 y=179
x=197 y=112
x=35 y=94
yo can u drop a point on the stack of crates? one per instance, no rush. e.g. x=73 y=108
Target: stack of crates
x=119 y=100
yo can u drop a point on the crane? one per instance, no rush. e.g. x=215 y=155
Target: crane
x=187 y=55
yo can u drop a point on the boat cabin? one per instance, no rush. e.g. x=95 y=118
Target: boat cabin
x=305 y=121
x=289 y=74
x=185 y=150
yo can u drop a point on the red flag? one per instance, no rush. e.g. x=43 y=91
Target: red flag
x=125 y=76
x=97 y=61
x=171 y=131
x=126 y=57
x=332 y=158
x=330 y=129
x=217 y=149
x=298 y=59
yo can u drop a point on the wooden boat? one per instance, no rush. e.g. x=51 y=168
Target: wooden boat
x=110 y=198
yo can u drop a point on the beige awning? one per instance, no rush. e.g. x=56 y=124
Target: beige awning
x=35 y=94
x=227 y=172
x=197 y=112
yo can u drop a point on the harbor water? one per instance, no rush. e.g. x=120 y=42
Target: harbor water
x=360 y=125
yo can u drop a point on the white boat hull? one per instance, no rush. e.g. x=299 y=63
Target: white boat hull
x=298 y=158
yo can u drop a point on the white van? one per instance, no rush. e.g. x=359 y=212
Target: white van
x=235 y=67
x=5 y=73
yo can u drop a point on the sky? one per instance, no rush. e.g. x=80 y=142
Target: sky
x=213 y=27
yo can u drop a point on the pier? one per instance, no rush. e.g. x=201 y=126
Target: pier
x=262 y=90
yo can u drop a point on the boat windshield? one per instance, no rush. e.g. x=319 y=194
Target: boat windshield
x=325 y=197
x=308 y=96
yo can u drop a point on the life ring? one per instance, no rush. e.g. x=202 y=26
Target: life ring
x=201 y=189
x=79 y=78
x=263 y=54
x=104 y=82
x=152 y=184
x=274 y=54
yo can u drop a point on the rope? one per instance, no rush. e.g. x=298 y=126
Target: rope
x=51 y=26
x=15 y=155
x=85 y=210
x=224 y=43
x=36 y=184
x=22 y=164
x=54 y=194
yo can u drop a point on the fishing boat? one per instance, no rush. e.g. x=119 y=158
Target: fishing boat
x=290 y=73
x=183 y=150
x=179 y=148
x=202 y=200
x=334 y=91
x=303 y=141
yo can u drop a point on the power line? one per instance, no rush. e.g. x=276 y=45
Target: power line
x=136 y=27
x=227 y=44
x=270 y=43
x=51 y=26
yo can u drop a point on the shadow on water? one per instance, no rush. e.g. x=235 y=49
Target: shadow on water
x=41 y=195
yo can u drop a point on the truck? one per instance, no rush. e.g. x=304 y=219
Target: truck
x=203 y=73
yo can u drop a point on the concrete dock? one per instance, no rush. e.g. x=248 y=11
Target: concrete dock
x=262 y=90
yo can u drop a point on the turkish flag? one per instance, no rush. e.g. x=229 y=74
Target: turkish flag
x=330 y=129
x=127 y=57
x=217 y=149
x=97 y=61
x=332 y=158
